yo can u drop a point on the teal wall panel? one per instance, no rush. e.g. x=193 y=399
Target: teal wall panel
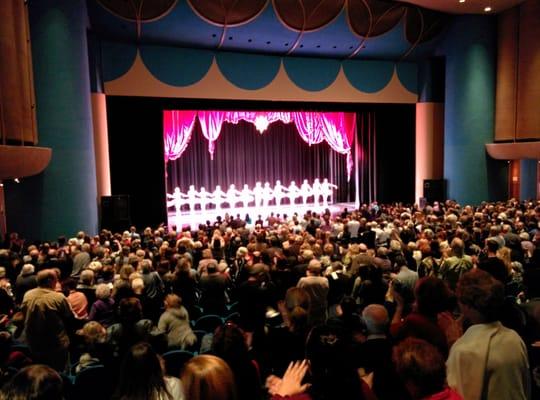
x=529 y=179
x=62 y=199
x=470 y=49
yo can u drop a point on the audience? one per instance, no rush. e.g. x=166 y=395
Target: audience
x=377 y=299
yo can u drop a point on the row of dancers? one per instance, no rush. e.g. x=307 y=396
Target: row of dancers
x=259 y=196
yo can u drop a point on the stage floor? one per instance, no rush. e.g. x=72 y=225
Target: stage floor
x=194 y=219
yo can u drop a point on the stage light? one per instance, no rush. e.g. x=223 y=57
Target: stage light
x=261 y=123
x=16 y=180
x=487 y=9
x=462 y=1
x=1 y=184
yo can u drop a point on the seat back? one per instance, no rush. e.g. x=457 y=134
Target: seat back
x=208 y=323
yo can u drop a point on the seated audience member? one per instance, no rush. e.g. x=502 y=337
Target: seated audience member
x=35 y=382
x=208 y=377
x=142 y=377
x=421 y=367
x=47 y=317
x=94 y=350
x=103 y=309
x=489 y=361
x=174 y=322
x=229 y=343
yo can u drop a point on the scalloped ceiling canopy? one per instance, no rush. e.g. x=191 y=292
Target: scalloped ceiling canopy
x=467 y=7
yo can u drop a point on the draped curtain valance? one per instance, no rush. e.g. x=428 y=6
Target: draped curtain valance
x=336 y=128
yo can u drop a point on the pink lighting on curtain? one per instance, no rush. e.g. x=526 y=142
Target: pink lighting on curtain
x=211 y=122
x=177 y=128
x=336 y=128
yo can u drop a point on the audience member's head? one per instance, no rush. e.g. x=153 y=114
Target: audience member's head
x=376 y=319
x=173 y=301
x=480 y=296
x=421 y=367
x=297 y=304
x=207 y=377
x=141 y=375
x=47 y=278
x=103 y=291
x=432 y=296
x=36 y=382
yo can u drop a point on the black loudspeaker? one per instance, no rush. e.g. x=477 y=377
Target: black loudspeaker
x=435 y=190
x=115 y=212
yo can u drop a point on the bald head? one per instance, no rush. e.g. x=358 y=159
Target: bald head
x=376 y=319
x=47 y=278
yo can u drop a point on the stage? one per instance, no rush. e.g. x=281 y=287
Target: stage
x=194 y=219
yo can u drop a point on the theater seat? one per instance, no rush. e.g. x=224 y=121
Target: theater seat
x=208 y=323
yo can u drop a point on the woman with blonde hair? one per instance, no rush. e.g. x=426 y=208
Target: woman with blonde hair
x=207 y=377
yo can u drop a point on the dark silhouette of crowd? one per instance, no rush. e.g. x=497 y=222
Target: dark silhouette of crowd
x=382 y=302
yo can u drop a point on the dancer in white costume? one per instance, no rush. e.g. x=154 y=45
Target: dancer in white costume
x=327 y=191
x=246 y=196
x=316 y=189
x=267 y=194
x=258 y=193
x=176 y=199
x=293 y=192
x=204 y=198
x=279 y=192
x=218 y=196
x=305 y=191
x=233 y=196
x=192 y=197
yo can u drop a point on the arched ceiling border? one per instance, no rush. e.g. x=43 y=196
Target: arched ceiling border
x=226 y=24
x=135 y=20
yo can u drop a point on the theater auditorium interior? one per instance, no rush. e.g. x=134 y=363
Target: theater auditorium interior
x=269 y=199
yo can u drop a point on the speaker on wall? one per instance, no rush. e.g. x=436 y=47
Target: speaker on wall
x=435 y=190
x=115 y=212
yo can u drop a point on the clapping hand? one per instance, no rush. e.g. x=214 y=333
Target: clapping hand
x=291 y=383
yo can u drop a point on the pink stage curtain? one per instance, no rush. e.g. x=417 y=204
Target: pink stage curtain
x=336 y=128
x=261 y=120
x=177 y=128
x=308 y=125
x=211 y=122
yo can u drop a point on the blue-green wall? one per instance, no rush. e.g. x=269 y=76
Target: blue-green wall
x=528 y=179
x=470 y=50
x=62 y=199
